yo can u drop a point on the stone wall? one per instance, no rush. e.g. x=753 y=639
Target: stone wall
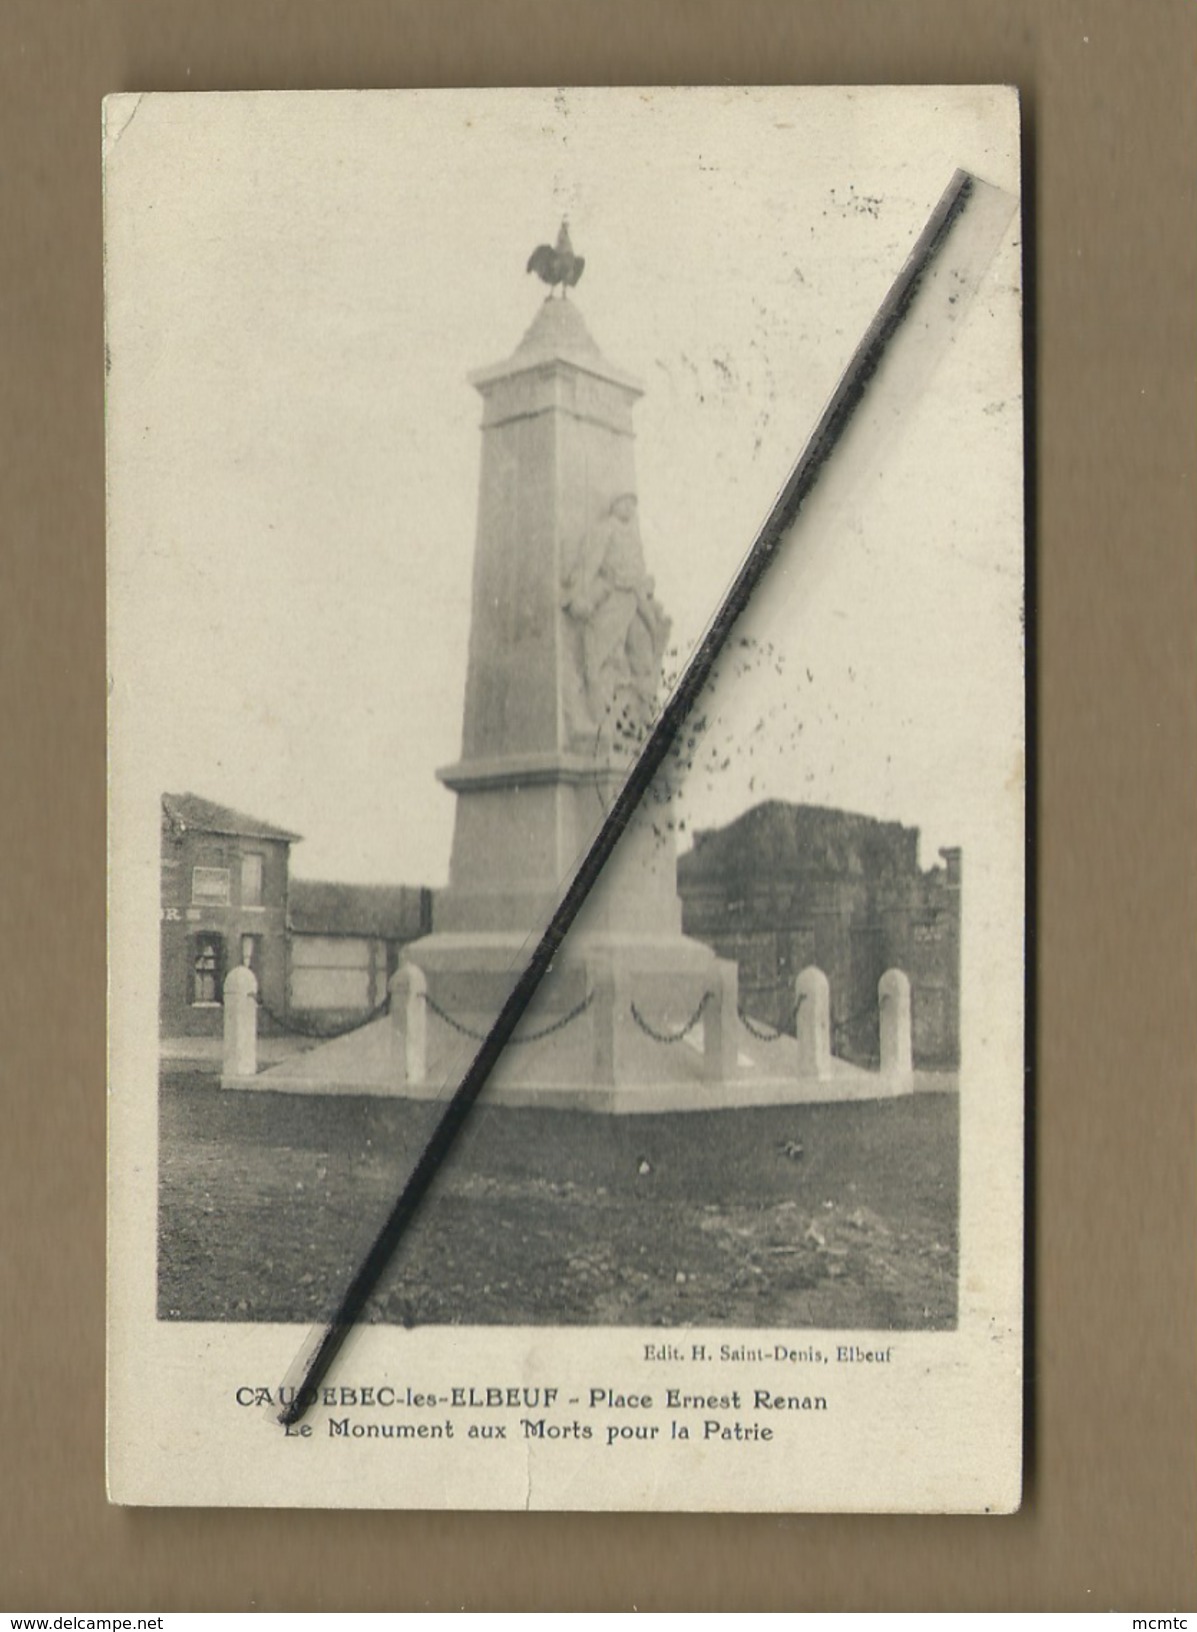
x=787 y=886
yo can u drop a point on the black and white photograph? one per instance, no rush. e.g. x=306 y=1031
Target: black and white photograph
x=440 y=425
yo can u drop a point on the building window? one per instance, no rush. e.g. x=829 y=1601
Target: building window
x=208 y=968
x=210 y=886
x=251 y=954
x=251 y=881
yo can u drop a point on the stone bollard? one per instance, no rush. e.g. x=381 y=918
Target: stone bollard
x=893 y=992
x=240 y=1024
x=409 y=1024
x=813 y=996
x=607 y=1010
x=721 y=1024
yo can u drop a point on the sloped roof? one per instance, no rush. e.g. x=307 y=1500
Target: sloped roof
x=188 y=810
x=390 y=912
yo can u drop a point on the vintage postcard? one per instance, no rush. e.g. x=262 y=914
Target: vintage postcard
x=439 y=426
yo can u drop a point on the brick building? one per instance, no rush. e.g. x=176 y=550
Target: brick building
x=320 y=951
x=224 y=902
x=785 y=886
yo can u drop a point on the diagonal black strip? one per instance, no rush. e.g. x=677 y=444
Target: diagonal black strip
x=834 y=420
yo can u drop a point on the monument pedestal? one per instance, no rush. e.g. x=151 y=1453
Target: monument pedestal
x=522 y=827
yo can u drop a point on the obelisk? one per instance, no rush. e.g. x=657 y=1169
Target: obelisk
x=566 y=640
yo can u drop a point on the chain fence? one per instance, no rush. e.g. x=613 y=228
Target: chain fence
x=293 y=1026
x=767 y=1036
x=671 y=1036
x=559 y=1024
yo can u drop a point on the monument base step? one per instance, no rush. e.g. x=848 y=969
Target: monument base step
x=767 y=1074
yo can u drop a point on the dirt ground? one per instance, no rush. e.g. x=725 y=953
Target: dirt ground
x=832 y=1216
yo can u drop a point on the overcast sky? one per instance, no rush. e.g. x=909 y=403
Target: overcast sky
x=298 y=288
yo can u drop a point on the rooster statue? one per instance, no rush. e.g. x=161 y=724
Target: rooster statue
x=557 y=265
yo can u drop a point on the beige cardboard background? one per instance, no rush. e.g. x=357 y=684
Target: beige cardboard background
x=1110 y=1509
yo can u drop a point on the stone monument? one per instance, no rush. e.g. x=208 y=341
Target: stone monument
x=564 y=670
x=564 y=674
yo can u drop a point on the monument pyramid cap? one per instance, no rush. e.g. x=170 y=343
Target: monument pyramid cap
x=558 y=329
x=557 y=334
